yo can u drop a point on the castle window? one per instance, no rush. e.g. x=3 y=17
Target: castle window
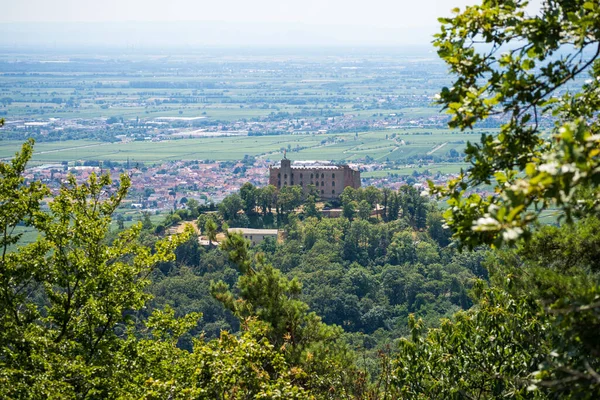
x=322 y=183
x=333 y=192
x=322 y=176
x=301 y=183
x=332 y=183
x=312 y=183
x=285 y=176
x=333 y=176
x=317 y=184
x=292 y=176
x=311 y=176
x=301 y=176
x=279 y=183
x=322 y=191
x=279 y=175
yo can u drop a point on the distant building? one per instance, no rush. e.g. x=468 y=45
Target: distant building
x=329 y=179
x=255 y=236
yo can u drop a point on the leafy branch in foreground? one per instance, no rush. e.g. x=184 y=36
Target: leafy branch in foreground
x=66 y=296
x=534 y=332
x=511 y=64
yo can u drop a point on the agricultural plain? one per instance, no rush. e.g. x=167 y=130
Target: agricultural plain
x=378 y=146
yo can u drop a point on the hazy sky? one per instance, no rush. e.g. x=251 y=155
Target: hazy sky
x=412 y=13
x=223 y=22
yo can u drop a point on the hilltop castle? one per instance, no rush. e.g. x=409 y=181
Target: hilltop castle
x=329 y=179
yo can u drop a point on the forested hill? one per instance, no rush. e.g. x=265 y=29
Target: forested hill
x=365 y=273
x=345 y=308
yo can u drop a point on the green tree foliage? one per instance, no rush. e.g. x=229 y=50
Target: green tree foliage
x=231 y=206
x=249 y=195
x=67 y=301
x=349 y=209
x=146 y=222
x=306 y=342
x=310 y=207
x=210 y=227
x=86 y=286
x=192 y=205
x=230 y=367
x=267 y=197
x=435 y=227
x=558 y=269
x=533 y=333
x=413 y=206
x=364 y=209
x=521 y=73
x=490 y=352
x=289 y=198
x=401 y=271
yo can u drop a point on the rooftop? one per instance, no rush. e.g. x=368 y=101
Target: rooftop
x=251 y=231
x=316 y=164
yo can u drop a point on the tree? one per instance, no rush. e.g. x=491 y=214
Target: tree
x=364 y=210
x=120 y=221
x=65 y=296
x=372 y=195
x=489 y=352
x=230 y=206
x=385 y=197
x=310 y=208
x=249 y=196
x=210 y=228
x=402 y=249
x=266 y=295
x=394 y=207
x=267 y=198
x=66 y=326
x=349 y=209
x=146 y=222
x=348 y=195
x=289 y=198
x=435 y=227
x=520 y=74
x=192 y=205
x=414 y=206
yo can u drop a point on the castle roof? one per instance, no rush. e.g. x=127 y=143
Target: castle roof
x=316 y=164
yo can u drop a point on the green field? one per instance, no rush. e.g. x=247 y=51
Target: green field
x=444 y=168
x=334 y=147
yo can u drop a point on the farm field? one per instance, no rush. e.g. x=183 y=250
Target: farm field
x=444 y=168
x=378 y=146
x=239 y=110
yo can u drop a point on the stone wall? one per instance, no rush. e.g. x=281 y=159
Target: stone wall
x=329 y=180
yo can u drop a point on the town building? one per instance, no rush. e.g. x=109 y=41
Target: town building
x=255 y=236
x=328 y=179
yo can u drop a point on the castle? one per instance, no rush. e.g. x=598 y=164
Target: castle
x=328 y=179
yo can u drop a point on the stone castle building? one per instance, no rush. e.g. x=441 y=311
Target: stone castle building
x=328 y=179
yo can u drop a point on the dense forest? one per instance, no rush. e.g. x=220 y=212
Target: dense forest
x=479 y=300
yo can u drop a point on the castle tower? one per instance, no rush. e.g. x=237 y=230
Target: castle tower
x=286 y=172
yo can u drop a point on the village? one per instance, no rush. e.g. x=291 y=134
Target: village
x=169 y=185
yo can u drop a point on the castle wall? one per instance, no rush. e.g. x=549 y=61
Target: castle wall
x=329 y=181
